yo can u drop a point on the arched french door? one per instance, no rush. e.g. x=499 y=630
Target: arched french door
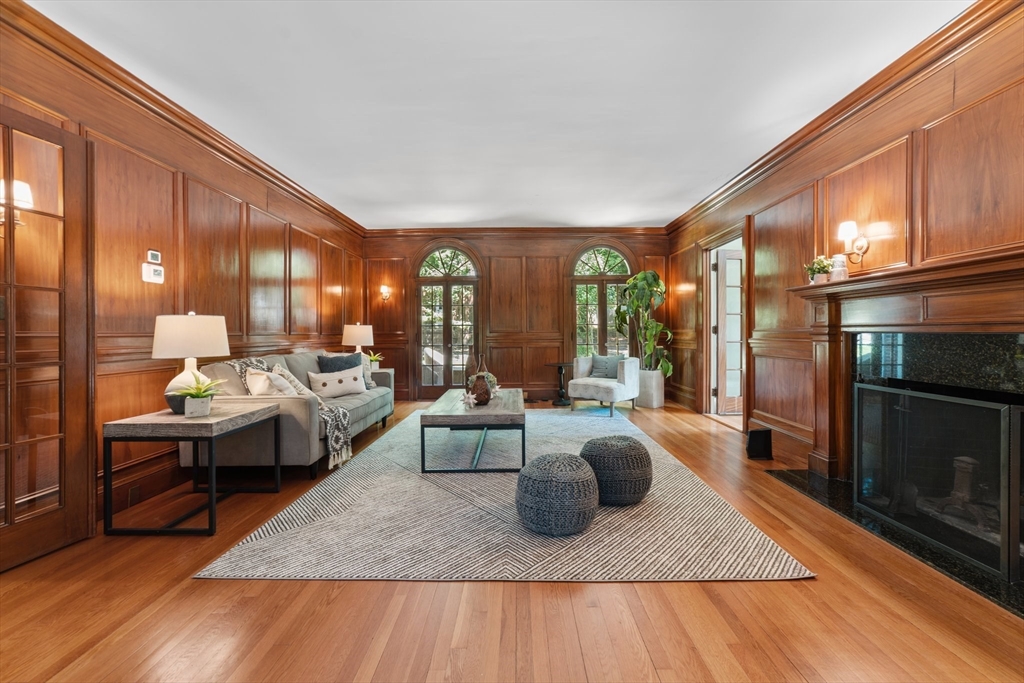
x=448 y=288
x=597 y=280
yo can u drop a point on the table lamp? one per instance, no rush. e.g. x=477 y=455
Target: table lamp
x=189 y=337
x=357 y=335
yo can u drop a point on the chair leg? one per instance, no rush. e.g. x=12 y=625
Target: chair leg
x=633 y=401
x=611 y=408
x=313 y=469
x=572 y=404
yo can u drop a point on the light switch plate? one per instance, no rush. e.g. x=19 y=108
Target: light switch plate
x=152 y=273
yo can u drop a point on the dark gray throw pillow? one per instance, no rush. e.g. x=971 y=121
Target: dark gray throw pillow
x=606 y=366
x=339 y=363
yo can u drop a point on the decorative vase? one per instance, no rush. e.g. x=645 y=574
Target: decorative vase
x=197 y=407
x=176 y=402
x=652 y=389
x=481 y=383
x=820 y=278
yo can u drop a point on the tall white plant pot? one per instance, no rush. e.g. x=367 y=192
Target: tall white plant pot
x=652 y=389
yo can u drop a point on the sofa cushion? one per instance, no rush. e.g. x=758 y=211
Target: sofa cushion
x=334 y=384
x=367 y=372
x=268 y=384
x=301 y=364
x=300 y=388
x=232 y=385
x=598 y=389
x=359 y=406
x=331 y=363
x=273 y=360
x=606 y=366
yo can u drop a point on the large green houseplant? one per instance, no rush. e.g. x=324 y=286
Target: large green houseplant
x=634 y=316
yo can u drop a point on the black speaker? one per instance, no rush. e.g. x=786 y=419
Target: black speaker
x=759 y=444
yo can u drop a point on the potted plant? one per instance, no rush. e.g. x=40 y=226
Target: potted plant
x=818 y=269
x=634 y=316
x=198 y=395
x=375 y=359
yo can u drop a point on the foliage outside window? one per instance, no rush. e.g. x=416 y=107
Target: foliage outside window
x=601 y=261
x=447 y=263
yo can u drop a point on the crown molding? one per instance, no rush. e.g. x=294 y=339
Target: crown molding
x=34 y=26
x=928 y=56
x=525 y=233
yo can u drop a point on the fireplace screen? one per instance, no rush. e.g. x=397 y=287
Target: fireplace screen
x=939 y=467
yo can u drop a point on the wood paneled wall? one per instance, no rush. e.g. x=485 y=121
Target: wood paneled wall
x=524 y=313
x=928 y=158
x=236 y=238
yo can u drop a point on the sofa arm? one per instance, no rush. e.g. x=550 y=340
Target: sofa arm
x=384 y=378
x=629 y=375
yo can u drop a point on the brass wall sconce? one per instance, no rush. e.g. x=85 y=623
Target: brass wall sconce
x=855 y=244
x=385 y=292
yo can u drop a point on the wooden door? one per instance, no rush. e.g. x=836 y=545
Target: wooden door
x=730 y=339
x=447 y=334
x=48 y=477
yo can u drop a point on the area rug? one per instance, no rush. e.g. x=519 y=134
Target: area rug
x=378 y=517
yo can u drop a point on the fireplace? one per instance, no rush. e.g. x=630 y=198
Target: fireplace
x=942 y=460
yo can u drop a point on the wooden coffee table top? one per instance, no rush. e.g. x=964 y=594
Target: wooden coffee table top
x=504 y=408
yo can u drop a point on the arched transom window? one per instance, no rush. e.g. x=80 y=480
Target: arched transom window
x=598 y=277
x=447 y=263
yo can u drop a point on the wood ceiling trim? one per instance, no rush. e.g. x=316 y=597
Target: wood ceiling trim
x=931 y=54
x=524 y=232
x=41 y=30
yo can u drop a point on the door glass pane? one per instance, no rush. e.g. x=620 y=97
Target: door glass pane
x=432 y=335
x=38 y=174
x=36 y=325
x=733 y=352
x=587 y=328
x=37 y=403
x=732 y=300
x=463 y=333
x=732 y=327
x=732 y=383
x=617 y=343
x=732 y=273
x=36 y=477
x=39 y=255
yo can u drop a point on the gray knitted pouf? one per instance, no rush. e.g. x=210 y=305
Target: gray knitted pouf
x=622 y=466
x=557 y=494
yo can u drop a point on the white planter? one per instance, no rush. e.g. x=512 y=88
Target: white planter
x=820 y=278
x=652 y=389
x=197 y=407
x=374 y=365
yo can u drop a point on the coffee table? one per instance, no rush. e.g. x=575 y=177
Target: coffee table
x=503 y=411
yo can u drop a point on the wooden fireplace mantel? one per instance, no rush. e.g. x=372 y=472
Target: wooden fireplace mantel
x=978 y=295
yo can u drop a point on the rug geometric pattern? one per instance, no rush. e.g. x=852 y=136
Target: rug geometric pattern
x=378 y=517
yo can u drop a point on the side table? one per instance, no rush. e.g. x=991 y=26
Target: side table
x=562 y=400
x=225 y=418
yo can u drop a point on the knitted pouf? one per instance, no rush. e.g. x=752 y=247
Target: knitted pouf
x=557 y=494
x=622 y=466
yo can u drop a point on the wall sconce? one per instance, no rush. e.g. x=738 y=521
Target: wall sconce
x=385 y=292
x=22 y=199
x=855 y=244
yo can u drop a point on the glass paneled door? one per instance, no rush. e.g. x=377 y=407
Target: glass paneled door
x=447 y=336
x=729 y=328
x=45 y=482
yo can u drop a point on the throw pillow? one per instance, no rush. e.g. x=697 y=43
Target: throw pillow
x=334 y=384
x=367 y=377
x=606 y=366
x=339 y=363
x=268 y=384
x=300 y=388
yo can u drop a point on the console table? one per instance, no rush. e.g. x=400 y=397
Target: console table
x=225 y=418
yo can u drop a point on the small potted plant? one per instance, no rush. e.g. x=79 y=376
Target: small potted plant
x=375 y=359
x=818 y=269
x=198 y=395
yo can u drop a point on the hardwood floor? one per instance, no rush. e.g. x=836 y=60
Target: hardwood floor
x=127 y=609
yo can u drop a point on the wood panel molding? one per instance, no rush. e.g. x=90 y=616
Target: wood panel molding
x=37 y=28
x=974 y=24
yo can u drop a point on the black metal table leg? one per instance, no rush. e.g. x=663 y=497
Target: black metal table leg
x=211 y=461
x=108 y=486
x=562 y=401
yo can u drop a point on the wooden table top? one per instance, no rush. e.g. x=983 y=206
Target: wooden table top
x=224 y=417
x=504 y=408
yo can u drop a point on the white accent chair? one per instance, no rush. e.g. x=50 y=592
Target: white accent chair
x=625 y=387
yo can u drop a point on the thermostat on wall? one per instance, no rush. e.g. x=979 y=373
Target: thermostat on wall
x=152 y=273
x=153 y=256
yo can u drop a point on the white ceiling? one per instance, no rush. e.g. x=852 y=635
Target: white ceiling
x=422 y=114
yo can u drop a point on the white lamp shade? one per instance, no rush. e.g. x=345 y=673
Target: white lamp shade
x=22 y=194
x=848 y=230
x=357 y=335
x=190 y=336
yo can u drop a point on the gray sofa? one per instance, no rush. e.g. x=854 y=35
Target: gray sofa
x=302 y=431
